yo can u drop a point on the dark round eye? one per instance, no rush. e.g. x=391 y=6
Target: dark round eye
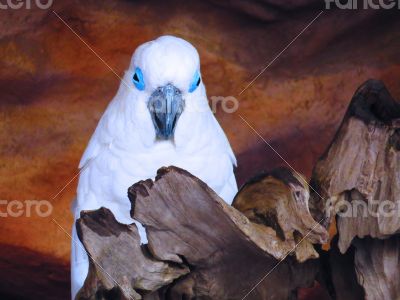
x=138 y=80
x=195 y=82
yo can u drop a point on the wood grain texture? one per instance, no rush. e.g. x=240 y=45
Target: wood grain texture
x=361 y=168
x=377 y=263
x=120 y=268
x=200 y=247
x=186 y=222
x=279 y=200
x=359 y=180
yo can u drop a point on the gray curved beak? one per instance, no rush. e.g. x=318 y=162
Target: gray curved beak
x=165 y=105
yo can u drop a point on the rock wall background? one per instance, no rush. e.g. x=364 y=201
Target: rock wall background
x=53 y=90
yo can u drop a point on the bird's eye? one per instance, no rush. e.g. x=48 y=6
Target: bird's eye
x=195 y=82
x=138 y=80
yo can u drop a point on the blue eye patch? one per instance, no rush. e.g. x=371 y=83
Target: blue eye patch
x=138 y=79
x=195 y=82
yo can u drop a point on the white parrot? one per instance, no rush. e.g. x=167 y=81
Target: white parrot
x=159 y=117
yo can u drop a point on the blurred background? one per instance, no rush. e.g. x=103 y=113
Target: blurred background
x=53 y=90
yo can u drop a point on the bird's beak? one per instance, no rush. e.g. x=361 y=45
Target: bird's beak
x=165 y=105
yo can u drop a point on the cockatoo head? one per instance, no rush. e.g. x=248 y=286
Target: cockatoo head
x=166 y=77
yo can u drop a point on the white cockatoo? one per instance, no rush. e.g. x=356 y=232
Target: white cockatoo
x=159 y=117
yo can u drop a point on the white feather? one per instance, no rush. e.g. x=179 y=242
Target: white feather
x=123 y=148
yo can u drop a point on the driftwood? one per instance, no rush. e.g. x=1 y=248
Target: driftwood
x=190 y=228
x=279 y=200
x=265 y=246
x=363 y=164
x=377 y=264
x=119 y=266
x=358 y=179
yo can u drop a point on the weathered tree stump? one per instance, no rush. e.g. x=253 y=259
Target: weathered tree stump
x=359 y=180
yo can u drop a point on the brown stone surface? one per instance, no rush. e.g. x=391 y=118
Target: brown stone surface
x=53 y=89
